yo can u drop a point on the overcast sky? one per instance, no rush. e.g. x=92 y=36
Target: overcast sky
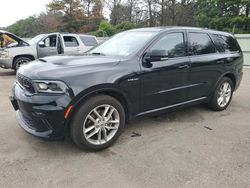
x=13 y=10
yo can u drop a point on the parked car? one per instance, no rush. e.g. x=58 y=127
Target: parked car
x=135 y=73
x=18 y=52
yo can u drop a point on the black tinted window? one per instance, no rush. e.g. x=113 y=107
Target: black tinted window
x=225 y=43
x=200 y=43
x=88 y=41
x=173 y=44
x=70 y=41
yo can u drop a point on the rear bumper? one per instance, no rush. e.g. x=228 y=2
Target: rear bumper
x=238 y=81
x=41 y=116
x=6 y=63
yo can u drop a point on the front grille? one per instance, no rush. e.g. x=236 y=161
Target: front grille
x=26 y=83
x=36 y=123
x=29 y=122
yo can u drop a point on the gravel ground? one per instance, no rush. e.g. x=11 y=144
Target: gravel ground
x=194 y=147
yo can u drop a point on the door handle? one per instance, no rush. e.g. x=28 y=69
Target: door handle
x=183 y=67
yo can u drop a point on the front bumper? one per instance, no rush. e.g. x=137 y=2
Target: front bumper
x=6 y=63
x=40 y=115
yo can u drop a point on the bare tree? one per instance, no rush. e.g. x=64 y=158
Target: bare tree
x=112 y=5
x=87 y=5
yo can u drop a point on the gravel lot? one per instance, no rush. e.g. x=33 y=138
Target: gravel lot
x=174 y=150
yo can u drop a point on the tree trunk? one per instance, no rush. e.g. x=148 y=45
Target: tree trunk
x=162 y=13
x=151 y=21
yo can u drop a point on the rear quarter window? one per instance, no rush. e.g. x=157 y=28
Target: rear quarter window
x=200 y=44
x=89 y=41
x=225 y=43
x=70 y=41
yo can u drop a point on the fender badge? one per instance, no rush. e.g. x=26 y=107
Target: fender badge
x=133 y=79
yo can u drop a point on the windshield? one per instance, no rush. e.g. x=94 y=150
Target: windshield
x=36 y=39
x=123 y=44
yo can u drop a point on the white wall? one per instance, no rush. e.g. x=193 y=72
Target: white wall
x=244 y=41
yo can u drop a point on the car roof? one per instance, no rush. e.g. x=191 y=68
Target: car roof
x=168 y=28
x=66 y=33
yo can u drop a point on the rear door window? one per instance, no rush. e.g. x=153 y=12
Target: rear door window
x=70 y=41
x=89 y=41
x=200 y=44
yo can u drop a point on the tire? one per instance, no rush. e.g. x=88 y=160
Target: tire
x=18 y=62
x=83 y=125
x=222 y=98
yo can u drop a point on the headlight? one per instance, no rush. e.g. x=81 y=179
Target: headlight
x=57 y=87
x=4 y=54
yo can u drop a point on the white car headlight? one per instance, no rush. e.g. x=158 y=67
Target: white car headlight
x=44 y=86
x=4 y=54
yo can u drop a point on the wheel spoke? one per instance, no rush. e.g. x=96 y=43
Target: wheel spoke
x=106 y=111
x=100 y=136
x=89 y=129
x=225 y=87
x=114 y=121
x=228 y=94
x=110 y=113
x=105 y=134
x=220 y=100
x=92 y=134
x=91 y=118
x=111 y=128
x=98 y=115
x=224 y=101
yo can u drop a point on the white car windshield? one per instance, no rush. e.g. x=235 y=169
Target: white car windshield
x=124 y=44
x=36 y=39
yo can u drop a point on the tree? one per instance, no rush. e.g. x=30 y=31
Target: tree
x=150 y=4
x=114 y=6
x=87 y=4
x=71 y=11
x=78 y=15
x=49 y=22
x=223 y=15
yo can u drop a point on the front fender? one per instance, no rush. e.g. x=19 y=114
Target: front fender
x=108 y=89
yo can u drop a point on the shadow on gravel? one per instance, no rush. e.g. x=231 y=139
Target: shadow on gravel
x=190 y=114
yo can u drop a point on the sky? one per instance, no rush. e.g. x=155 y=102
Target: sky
x=14 y=10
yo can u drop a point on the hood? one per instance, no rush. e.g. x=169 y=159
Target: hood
x=58 y=67
x=16 y=38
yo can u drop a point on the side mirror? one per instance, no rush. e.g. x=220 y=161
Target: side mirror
x=154 y=56
x=158 y=55
x=41 y=44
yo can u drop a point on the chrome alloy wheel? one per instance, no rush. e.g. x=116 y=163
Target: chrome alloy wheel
x=101 y=124
x=224 y=94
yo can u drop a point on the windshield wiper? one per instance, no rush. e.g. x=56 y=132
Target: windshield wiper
x=98 y=53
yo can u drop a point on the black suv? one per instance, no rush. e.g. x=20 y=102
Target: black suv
x=135 y=73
